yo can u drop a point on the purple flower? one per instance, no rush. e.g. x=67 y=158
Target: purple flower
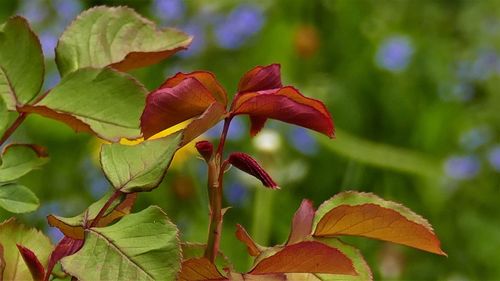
x=169 y=10
x=34 y=11
x=494 y=158
x=236 y=194
x=49 y=41
x=198 y=44
x=302 y=141
x=243 y=22
x=394 y=54
x=236 y=130
x=67 y=9
x=462 y=167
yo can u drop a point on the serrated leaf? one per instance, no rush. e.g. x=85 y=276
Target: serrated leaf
x=364 y=214
x=17 y=198
x=74 y=226
x=21 y=63
x=140 y=167
x=180 y=98
x=4 y=116
x=12 y=233
x=199 y=269
x=141 y=246
x=262 y=96
x=100 y=101
x=361 y=267
x=20 y=159
x=116 y=36
x=304 y=257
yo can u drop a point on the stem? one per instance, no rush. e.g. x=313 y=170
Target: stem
x=13 y=127
x=216 y=169
x=104 y=208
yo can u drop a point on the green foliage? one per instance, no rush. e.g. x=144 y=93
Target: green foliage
x=17 y=198
x=140 y=167
x=120 y=37
x=21 y=63
x=141 y=246
x=12 y=233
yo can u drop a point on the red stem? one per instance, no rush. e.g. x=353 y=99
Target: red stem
x=216 y=169
x=13 y=127
x=104 y=208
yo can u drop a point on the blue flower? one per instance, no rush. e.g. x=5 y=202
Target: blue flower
x=302 y=141
x=54 y=234
x=169 y=10
x=394 y=54
x=494 y=158
x=67 y=9
x=236 y=194
x=462 y=167
x=34 y=11
x=49 y=41
x=198 y=44
x=243 y=22
x=236 y=130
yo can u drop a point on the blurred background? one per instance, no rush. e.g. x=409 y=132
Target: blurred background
x=412 y=86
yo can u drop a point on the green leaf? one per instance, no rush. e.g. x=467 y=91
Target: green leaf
x=17 y=198
x=103 y=101
x=140 y=167
x=116 y=36
x=141 y=246
x=12 y=233
x=74 y=226
x=4 y=116
x=21 y=63
x=20 y=159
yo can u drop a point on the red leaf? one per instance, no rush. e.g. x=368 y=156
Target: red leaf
x=180 y=98
x=199 y=269
x=256 y=124
x=242 y=235
x=247 y=164
x=214 y=113
x=261 y=78
x=206 y=78
x=306 y=257
x=302 y=222
x=286 y=104
x=366 y=215
x=66 y=247
x=34 y=265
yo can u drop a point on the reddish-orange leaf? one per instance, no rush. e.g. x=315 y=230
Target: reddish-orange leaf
x=206 y=78
x=306 y=257
x=141 y=59
x=199 y=269
x=286 y=104
x=249 y=277
x=212 y=115
x=36 y=268
x=243 y=236
x=302 y=222
x=70 y=120
x=362 y=214
x=261 y=78
x=66 y=247
x=76 y=231
x=2 y=262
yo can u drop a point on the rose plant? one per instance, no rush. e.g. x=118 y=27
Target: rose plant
x=108 y=241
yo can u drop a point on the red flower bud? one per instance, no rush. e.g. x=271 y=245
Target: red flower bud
x=205 y=148
x=248 y=165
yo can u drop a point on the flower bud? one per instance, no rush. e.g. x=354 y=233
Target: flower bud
x=247 y=164
x=206 y=149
